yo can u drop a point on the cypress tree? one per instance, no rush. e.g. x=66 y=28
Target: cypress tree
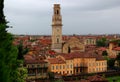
x=8 y=53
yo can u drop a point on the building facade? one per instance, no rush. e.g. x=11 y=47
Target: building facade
x=57 y=29
x=37 y=69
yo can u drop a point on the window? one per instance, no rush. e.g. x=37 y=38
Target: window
x=68 y=66
x=89 y=70
x=89 y=64
x=32 y=66
x=38 y=66
x=56 y=67
x=96 y=69
x=63 y=67
x=99 y=64
x=52 y=67
x=57 y=11
x=99 y=69
x=28 y=66
x=57 y=30
x=87 y=41
x=67 y=72
x=57 y=40
x=96 y=64
x=60 y=67
x=71 y=66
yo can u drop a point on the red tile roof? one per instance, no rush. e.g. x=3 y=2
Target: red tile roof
x=102 y=48
x=89 y=54
x=56 y=61
x=97 y=78
x=75 y=48
x=116 y=49
x=34 y=61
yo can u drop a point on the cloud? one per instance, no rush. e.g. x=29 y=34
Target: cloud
x=34 y=16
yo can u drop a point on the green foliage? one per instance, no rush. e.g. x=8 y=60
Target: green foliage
x=9 y=65
x=104 y=53
x=21 y=51
x=102 y=42
x=111 y=62
x=116 y=41
x=118 y=59
x=19 y=75
x=2 y=17
x=51 y=75
x=59 y=80
x=117 y=78
x=8 y=54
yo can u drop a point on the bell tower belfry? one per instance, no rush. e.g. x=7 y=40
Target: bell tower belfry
x=57 y=29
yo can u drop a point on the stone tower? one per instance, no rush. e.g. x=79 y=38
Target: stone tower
x=57 y=29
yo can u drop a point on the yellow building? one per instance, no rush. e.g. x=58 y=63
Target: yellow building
x=57 y=65
x=68 y=63
x=61 y=65
x=75 y=60
x=76 y=63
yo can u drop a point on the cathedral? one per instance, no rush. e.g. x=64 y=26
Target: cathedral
x=73 y=44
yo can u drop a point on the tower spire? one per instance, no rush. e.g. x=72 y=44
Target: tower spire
x=57 y=29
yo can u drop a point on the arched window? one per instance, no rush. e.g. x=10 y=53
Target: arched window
x=69 y=49
x=57 y=12
x=57 y=40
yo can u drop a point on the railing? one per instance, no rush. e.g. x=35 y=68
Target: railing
x=41 y=66
x=82 y=65
x=33 y=74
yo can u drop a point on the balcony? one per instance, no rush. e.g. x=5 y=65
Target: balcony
x=37 y=66
x=81 y=66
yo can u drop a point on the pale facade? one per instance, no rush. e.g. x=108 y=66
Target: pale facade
x=90 y=41
x=113 y=50
x=57 y=29
x=61 y=66
x=73 y=45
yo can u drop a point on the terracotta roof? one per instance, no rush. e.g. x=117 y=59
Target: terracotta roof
x=75 y=48
x=51 y=52
x=97 y=78
x=89 y=54
x=102 y=48
x=82 y=55
x=66 y=56
x=116 y=49
x=56 y=61
x=34 y=61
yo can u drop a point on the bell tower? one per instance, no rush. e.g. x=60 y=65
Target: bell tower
x=57 y=29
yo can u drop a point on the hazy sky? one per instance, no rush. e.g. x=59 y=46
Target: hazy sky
x=79 y=16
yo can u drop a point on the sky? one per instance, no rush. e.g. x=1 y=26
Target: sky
x=34 y=17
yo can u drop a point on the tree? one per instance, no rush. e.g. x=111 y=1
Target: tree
x=21 y=51
x=19 y=75
x=118 y=59
x=104 y=53
x=8 y=52
x=102 y=42
x=111 y=62
x=51 y=76
x=9 y=69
